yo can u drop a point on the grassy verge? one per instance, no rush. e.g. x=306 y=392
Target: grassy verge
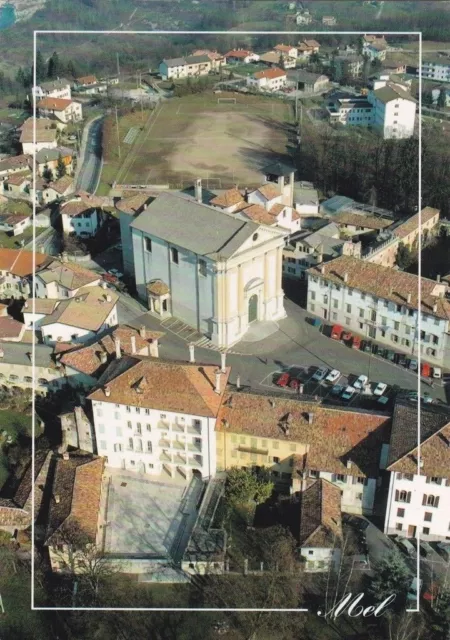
x=14 y=423
x=8 y=241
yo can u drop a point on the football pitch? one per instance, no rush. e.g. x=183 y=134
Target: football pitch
x=224 y=139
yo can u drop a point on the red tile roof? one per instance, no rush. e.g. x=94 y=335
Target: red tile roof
x=20 y=262
x=238 y=53
x=320 y=515
x=228 y=198
x=412 y=224
x=54 y=104
x=270 y=74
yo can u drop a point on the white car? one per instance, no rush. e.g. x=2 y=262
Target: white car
x=348 y=394
x=361 y=382
x=380 y=389
x=437 y=372
x=333 y=376
x=320 y=374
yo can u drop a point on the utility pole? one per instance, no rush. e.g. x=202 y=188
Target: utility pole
x=118 y=66
x=118 y=134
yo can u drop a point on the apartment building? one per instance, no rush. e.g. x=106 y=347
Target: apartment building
x=64 y=110
x=272 y=79
x=419 y=494
x=153 y=416
x=435 y=70
x=347 y=109
x=425 y=224
x=382 y=304
x=347 y=65
x=196 y=65
x=59 y=280
x=301 y=440
x=82 y=215
x=394 y=111
x=59 y=88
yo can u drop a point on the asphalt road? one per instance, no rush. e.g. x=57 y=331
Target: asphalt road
x=89 y=175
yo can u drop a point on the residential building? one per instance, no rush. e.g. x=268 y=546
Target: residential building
x=237 y=56
x=231 y=200
x=46 y=135
x=311 y=46
x=217 y=59
x=435 y=70
x=17 y=370
x=74 y=509
x=273 y=59
x=306 y=249
x=196 y=65
x=190 y=275
x=329 y=21
x=18 y=185
x=347 y=66
x=47 y=159
x=141 y=427
x=435 y=93
x=408 y=232
x=86 y=81
x=59 y=88
x=14 y=165
x=303 y=18
x=308 y=82
x=82 y=317
x=357 y=223
x=272 y=79
x=11 y=330
x=375 y=50
x=297 y=440
x=14 y=223
x=128 y=208
x=382 y=303
x=347 y=109
x=77 y=430
x=84 y=364
x=16 y=269
x=58 y=189
x=82 y=215
x=64 y=110
x=394 y=111
x=286 y=50
x=58 y=280
x=35 y=310
x=419 y=493
x=306 y=198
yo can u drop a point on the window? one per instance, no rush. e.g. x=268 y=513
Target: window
x=130 y=443
x=103 y=445
x=400 y=513
x=396 y=326
x=101 y=428
x=139 y=428
x=293 y=447
x=129 y=425
x=361 y=313
x=148 y=427
x=334 y=315
x=402 y=496
x=99 y=411
x=116 y=415
x=148 y=244
x=426 y=530
x=202 y=267
x=147 y=412
x=359 y=496
x=119 y=432
x=335 y=303
x=435 y=480
x=310 y=552
x=162 y=416
x=428 y=516
x=174 y=255
x=349 y=308
x=398 y=526
x=313 y=295
x=128 y=409
x=137 y=409
x=340 y=477
x=313 y=473
x=275 y=459
x=275 y=444
x=394 y=337
x=255 y=237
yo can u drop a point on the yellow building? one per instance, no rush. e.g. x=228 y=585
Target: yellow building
x=296 y=440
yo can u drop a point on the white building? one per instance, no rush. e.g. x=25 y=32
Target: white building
x=435 y=71
x=59 y=280
x=46 y=135
x=16 y=270
x=217 y=273
x=394 y=111
x=286 y=50
x=82 y=216
x=346 y=109
x=141 y=427
x=272 y=79
x=189 y=66
x=17 y=370
x=64 y=110
x=419 y=496
x=237 y=56
x=381 y=303
x=81 y=318
x=59 y=88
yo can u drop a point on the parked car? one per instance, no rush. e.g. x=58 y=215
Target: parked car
x=283 y=380
x=437 y=372
x=320 y=374
x=108 y=277
x=356 y=342
x=412 y=364
x=361 y=382
x=336 y=332
x=348 y=394
x=347 y=336
x=390 y=355
x=425 y=370
x=383 y=400
x=443 y=549
x=425 y=549
x=316 y=322
x=427 y=398
x=333 y=376
x=337 y=389
x=380 y=389
x=294 y=383
x=400 y=359
x=366 y=346
x=406 y=546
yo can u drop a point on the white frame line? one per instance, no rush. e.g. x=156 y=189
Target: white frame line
x=230 y=33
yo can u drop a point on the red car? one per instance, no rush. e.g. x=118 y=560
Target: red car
x=294 y=383
x=347 y=336
x=108 y=277
x=356 y=344
x=283 y=380
x=425 y=370
x=336 y=332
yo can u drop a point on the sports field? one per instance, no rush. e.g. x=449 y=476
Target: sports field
x=197 y=136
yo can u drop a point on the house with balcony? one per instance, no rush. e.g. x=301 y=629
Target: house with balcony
x=189 y=66
x=153 y=416
x=59 y=88
x=63 y=109
x=16 y=269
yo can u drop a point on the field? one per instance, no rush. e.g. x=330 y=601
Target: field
x=195 y=137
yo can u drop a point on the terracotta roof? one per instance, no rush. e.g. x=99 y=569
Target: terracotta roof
x=295 y=215
x=320 y=515
x=158 y=287
x=212 y=55
x=360 y=220
x=55 y=104
x=269 y=191
x=87 y=359
x=10 y=328
x=42 y=135
x=276 y=209
x=16 y=162
x=228 y=198
x=385 y=283
x=62 y=347
x=412 y=223
x=87 y=80
x=270 y=74
x=14 y=218
x=173 y=386
x=61 y=185
x=257 y=213
x=18 y=179
x=20 y=262
x=68 y=274
x=134 y=204
x=311 y=43
x=284 y=47
x=87 y=310
x=78 y=483
x=335 y=435
x=42 y=305
x=238 y=53
x=434 y=438
x=75 y=207
x=272 y=57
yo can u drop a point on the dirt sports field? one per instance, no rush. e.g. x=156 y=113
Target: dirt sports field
x=198 y=137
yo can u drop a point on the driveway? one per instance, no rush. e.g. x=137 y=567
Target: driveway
x=89 y=173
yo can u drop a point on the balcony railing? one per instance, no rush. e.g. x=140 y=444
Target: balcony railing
x=194 y=448
x=165 y=458
x=195 y=431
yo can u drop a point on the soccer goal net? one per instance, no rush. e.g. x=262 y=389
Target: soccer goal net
x=226 y=100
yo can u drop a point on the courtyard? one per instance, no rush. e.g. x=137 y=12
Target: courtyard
x=147 y=516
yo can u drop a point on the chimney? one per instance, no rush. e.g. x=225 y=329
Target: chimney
x=349 y=464
x=192 y=352
x=434 y=308
x=133 y=344
x=198 y=190
x=345 y=277
x=65 y=457
x=223 y=361
x=238 y=382
x=310 y=418
x=408 y=299
x=142 y=331
x=153 y=349
x=117 y=345
x=78 y=417
x=57 y=498
x=108 y=298
x=246 y=194
x=104 y=285
x=217 y=387
x=322 y=269
x=438 y=277
x=301 y=388
x=103 y=357
x=107 y=391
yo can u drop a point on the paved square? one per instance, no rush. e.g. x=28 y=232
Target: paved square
x=148 y=516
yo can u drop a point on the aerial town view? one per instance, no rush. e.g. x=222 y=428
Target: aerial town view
x=225 y=320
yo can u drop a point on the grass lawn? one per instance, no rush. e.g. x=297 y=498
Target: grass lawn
x=244 y=69
x=196 y=136
x=19 y=621
x=12 y=115
x=8 y=241
x=13 y=423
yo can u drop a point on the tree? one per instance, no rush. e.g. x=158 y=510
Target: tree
x=391 y=575
x=281 y=62
x=47 y=174
x=54 y=66
x=442 y=99
x=41 y=69
x=404 y=256
x=61 y=169
x=243 y=486
x=71 y=70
